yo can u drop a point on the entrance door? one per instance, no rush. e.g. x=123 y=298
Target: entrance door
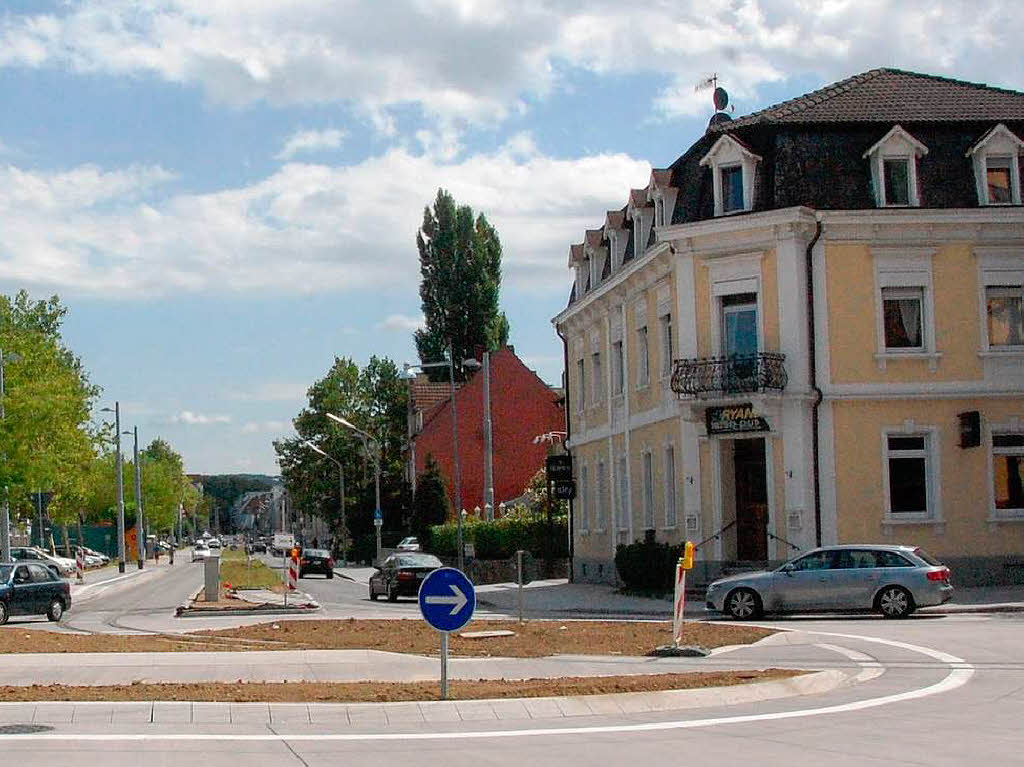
x=751 y=500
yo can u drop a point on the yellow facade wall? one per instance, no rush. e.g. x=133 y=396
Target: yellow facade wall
x=853 y=318
x=769 y=304
x=965 y=477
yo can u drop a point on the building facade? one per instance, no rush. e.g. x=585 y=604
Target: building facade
x=808 y=330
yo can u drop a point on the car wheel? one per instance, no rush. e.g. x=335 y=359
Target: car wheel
x=895 y=602
x=56 y=611
x=330 y=575
x=743 y=604
x=373 y=595
x=392 y=594
x=3 y=613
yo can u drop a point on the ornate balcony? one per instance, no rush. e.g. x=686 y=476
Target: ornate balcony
x=716 y=377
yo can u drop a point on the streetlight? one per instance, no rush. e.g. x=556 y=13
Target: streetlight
x=5 y=514
x=120 y=485
x=467 y=364
x=140 y=534
x=378 y=521
x=341 y=489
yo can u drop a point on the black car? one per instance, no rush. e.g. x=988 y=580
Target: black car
x=32 y=589
x=401 y=575
x=316 y=561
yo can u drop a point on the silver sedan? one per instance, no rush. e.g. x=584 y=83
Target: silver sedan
x=892 y=580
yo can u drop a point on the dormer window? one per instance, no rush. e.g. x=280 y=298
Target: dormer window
x=997 y=167
x=733 y=167
x=894 y=169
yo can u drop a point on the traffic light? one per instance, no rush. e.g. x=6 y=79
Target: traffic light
x=686 y=561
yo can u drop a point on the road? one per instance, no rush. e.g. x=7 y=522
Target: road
x=931 y=690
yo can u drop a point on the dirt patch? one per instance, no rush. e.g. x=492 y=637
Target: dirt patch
x=384 y=692
x=532 y=639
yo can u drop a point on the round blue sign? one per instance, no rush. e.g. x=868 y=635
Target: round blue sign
x=447 y=599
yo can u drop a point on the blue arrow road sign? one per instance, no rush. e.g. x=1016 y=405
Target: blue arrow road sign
x=447 y=599
x=378 y=514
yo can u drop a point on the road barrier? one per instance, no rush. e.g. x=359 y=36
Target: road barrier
x=684 y=564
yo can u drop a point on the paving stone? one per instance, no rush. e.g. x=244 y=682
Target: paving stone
x=172 y=712
x=573 y=706
x=334 y=714
x=475 y=710
x=92 y=713
x=290 y=714
x=59 y=713
x=440 y=711
x=542 y=708
x=401 y=713
x=509 y=709
x=258 y=713
x=133 y=712
x=604 y=704
x=211 y=713
x=362 y=716
x=21 y=713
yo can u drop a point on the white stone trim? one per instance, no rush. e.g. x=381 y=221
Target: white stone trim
x=905 y=268
x=997 y=266
x=1010 y=426
x=933 y=476
x=728 y=152
x=729 y=276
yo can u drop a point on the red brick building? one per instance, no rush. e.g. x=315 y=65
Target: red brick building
x=522 y=407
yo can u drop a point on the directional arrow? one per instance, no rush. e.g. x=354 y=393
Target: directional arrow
x=458 y=601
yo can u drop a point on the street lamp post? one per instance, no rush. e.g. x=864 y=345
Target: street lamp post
x=470 y=364
x=367 y=438
x=140 y=533
x=341 y=491
x=5 y=507
x=120 y=485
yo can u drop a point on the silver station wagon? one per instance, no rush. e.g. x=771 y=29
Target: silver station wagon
x=892 y=580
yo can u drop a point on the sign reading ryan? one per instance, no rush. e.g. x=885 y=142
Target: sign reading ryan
x=734 y=419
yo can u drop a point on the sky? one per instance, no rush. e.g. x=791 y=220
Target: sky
x=225 y=193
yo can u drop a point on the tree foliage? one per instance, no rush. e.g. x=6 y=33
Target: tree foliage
x=460 y=268
x=430 y=504
x=374 y=399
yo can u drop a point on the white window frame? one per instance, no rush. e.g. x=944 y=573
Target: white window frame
x=671 y=498
x=647 y=484
x=897 y=144
x=727 y=152
x=997 y=268
x=1013 y=427
x=729 y=276
x=905 y=268
x=584 y=499
x=600 y=499
x=1000 y=142
x=933 y=483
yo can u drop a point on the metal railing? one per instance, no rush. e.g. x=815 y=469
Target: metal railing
x=736 y=374
x=714 y=536
x=780 y=539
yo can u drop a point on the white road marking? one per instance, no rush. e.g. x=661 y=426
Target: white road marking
x=960 y=673
x=870 y=667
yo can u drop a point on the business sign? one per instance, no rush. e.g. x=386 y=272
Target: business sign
x=559 y=467
x=734 y=419
x=564 y=489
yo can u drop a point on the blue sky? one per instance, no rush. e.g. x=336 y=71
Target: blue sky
x=226 y=193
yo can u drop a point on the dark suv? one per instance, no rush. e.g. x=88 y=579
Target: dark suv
x=32 y=589
x=316 y=561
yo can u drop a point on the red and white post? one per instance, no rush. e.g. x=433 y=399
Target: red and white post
x=685 y=563
x=293 y=572
x=80 y=564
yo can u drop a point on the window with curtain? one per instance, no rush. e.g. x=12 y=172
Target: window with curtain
x=998 y=180
x=1008 y=471
x=1004 y=305
x=902 y=311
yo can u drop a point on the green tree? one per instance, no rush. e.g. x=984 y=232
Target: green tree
x=460 y=268
x=430 y=504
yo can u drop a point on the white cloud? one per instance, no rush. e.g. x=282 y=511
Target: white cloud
x=401 y=322
x=310 y=141
x=198 y=419
x=477 y=60
x=303 y=229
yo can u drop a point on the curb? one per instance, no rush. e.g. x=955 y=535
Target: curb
x=570 y=706
x=998 y=607
x=188 y=612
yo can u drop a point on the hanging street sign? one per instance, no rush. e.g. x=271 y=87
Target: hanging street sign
x=559 y=467
x=734 y=419
x=564 y=490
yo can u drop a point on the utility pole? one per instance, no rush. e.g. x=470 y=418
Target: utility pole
x=120 y=486
x=140 y=533
x=488 y=442
x=460 y=548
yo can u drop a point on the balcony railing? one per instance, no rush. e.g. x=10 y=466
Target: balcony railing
x=724 y=376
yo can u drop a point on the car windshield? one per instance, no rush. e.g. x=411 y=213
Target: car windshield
x=926 y=557
x=316 y=553
x=419 y=560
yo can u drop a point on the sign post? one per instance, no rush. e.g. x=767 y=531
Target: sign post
x=685 y=563
x=378 y=522
x=447 y=600
x=80 y=564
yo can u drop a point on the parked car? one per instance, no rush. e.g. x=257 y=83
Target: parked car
x=213 y=543
x=401 y=574
x=200 y=551
x=64 y=567
x=91 y=560
x=316 y=561
x=31 y=588
x=259 y=547
x=892 y=580
x=409 y=544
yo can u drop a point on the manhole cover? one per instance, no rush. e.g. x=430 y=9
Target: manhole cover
x=23 y=729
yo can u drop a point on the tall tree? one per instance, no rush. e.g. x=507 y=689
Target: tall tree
x=460 y=268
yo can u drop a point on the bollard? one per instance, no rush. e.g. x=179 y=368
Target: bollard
x=519 y=580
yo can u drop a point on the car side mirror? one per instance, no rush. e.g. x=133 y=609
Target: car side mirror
x=787 y=569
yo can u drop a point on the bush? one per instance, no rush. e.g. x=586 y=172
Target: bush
x=648 y=566
x=501 y=538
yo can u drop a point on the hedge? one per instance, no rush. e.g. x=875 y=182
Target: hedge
x=501 y=538
x=647 y=565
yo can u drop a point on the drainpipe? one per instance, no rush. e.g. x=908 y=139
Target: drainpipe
x=818 y=396
x=568 y=435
